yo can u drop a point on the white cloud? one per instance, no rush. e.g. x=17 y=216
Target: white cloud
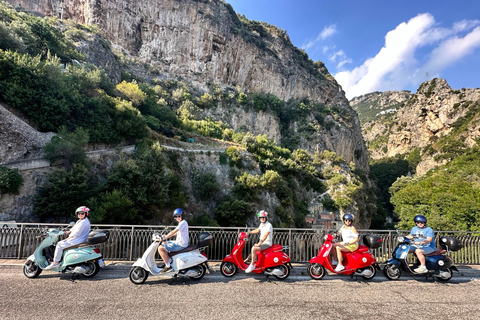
x=327 y=32
x=396 y=66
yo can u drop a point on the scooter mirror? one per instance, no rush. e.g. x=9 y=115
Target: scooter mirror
x=72 y=224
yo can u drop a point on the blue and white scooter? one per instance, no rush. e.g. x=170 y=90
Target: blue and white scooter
x=83 y=258
x=190 y=262
x=439 y=265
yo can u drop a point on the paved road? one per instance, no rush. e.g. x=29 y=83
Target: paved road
x=110 y=295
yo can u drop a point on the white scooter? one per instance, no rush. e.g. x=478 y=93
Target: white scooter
x=190 y=262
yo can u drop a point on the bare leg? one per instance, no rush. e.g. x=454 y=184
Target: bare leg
x=420 y=256
x=255 y=249
x=163 y=254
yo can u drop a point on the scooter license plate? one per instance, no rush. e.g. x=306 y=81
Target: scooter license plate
x=101 y=263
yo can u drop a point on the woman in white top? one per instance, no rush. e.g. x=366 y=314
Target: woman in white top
x=349 y=242
x=78 y=234
x=266 y=236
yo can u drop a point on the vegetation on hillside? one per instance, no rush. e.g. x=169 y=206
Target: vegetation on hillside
x=448 y=196
x=44 y=77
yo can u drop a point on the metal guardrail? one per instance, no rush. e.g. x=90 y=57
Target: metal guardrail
x=129 y=242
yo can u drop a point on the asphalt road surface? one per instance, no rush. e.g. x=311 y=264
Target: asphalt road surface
x=111 y=295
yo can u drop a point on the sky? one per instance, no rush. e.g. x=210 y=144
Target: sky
x=381 y=45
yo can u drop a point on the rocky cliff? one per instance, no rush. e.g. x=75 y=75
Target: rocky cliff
x=205 y=42
x=200 y=43
x=437 y=120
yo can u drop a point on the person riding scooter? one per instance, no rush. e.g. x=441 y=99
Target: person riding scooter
x=180 y=243
x=349 y=242
x=78 y=234
x=424 y=241
x=266 y=236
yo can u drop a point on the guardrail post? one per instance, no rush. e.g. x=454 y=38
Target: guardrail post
x=131 y=244
x=20 y=244
x=289 y=242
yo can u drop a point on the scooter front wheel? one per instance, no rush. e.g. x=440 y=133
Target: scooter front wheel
x=31 y=269
x=138 y=275
x=228 y=269
x=92 y=269
x=392 y=272
x=316 y=271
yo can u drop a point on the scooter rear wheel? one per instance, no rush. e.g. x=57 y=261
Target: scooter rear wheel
x=286 y=272
x=446 y=275
x=392 y=272
x=316 y=271
x=228 y=269
x=138 y=275
x=374 y=272
x=93 y=268
x=31 y=269
x=201 y=269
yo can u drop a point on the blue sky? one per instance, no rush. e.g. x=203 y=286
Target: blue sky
x=380 y=45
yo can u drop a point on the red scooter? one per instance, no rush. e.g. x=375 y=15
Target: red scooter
x=271 y=261
x=357 y=263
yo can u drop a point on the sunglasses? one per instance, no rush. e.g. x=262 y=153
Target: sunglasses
x=347 y=220
x=263 y=217
x=420 y=222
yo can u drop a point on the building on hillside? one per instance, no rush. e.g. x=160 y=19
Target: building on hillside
x=318 y=218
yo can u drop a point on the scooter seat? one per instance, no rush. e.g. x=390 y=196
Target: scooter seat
x=437 y=252
x=80 y=245
x=272 y=248
x=362 y=248
x=187 y=249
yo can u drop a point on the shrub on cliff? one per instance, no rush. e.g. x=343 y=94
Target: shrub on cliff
x=10 y=180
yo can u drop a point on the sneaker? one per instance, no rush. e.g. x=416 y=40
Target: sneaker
x=250 y=268
x=421 y=269
x=52 y=265
x=334 y=262
x=339 y=268
x=166 y=269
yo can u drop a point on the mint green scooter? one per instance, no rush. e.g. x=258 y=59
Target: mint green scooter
x=82 y=258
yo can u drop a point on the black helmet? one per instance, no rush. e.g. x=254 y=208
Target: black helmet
x=420 y=218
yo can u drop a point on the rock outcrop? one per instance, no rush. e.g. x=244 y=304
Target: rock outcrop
x=429 y=115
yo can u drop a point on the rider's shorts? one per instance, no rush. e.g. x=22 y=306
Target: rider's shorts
x=426 y=250
x=264 y=246
x=352 y=247
x=172 y=246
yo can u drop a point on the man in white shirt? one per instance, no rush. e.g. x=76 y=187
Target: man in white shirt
x=266 y=236
x=180 y=243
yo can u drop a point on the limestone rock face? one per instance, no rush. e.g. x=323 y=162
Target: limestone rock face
x=203 y=42
x=426 y=117
x=19 y=139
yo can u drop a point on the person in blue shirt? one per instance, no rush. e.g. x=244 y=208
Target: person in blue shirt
x=424 y=241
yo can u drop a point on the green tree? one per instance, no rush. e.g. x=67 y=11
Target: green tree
x=449 y=196
x=68 y=147
x=114 y=208
x=232 y=212
x=65 y=191
x=10 y=180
